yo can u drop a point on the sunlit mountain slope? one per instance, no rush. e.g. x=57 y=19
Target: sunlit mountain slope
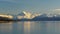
x=27 y=15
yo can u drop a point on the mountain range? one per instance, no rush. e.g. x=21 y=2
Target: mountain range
x=27 y=16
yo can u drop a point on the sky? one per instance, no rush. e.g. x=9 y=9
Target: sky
x=33 y=6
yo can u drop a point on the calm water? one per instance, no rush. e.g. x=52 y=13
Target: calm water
x=30 y=27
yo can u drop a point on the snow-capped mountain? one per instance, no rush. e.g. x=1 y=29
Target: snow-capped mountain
x=29 y=16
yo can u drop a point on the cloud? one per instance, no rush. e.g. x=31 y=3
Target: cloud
x=56 y=10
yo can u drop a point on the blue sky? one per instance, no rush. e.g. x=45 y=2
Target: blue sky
x=39 y=6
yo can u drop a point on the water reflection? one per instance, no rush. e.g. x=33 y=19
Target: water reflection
x=33 y=27
x=26 y=27
x=6 y=28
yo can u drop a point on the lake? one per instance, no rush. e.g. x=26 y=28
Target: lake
x=30 y=27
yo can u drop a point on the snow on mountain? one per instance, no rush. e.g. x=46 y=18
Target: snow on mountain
x=29 y=15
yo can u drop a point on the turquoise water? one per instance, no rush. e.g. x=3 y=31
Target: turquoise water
x=30 y=27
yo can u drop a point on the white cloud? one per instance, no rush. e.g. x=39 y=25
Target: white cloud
x=56 y=10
